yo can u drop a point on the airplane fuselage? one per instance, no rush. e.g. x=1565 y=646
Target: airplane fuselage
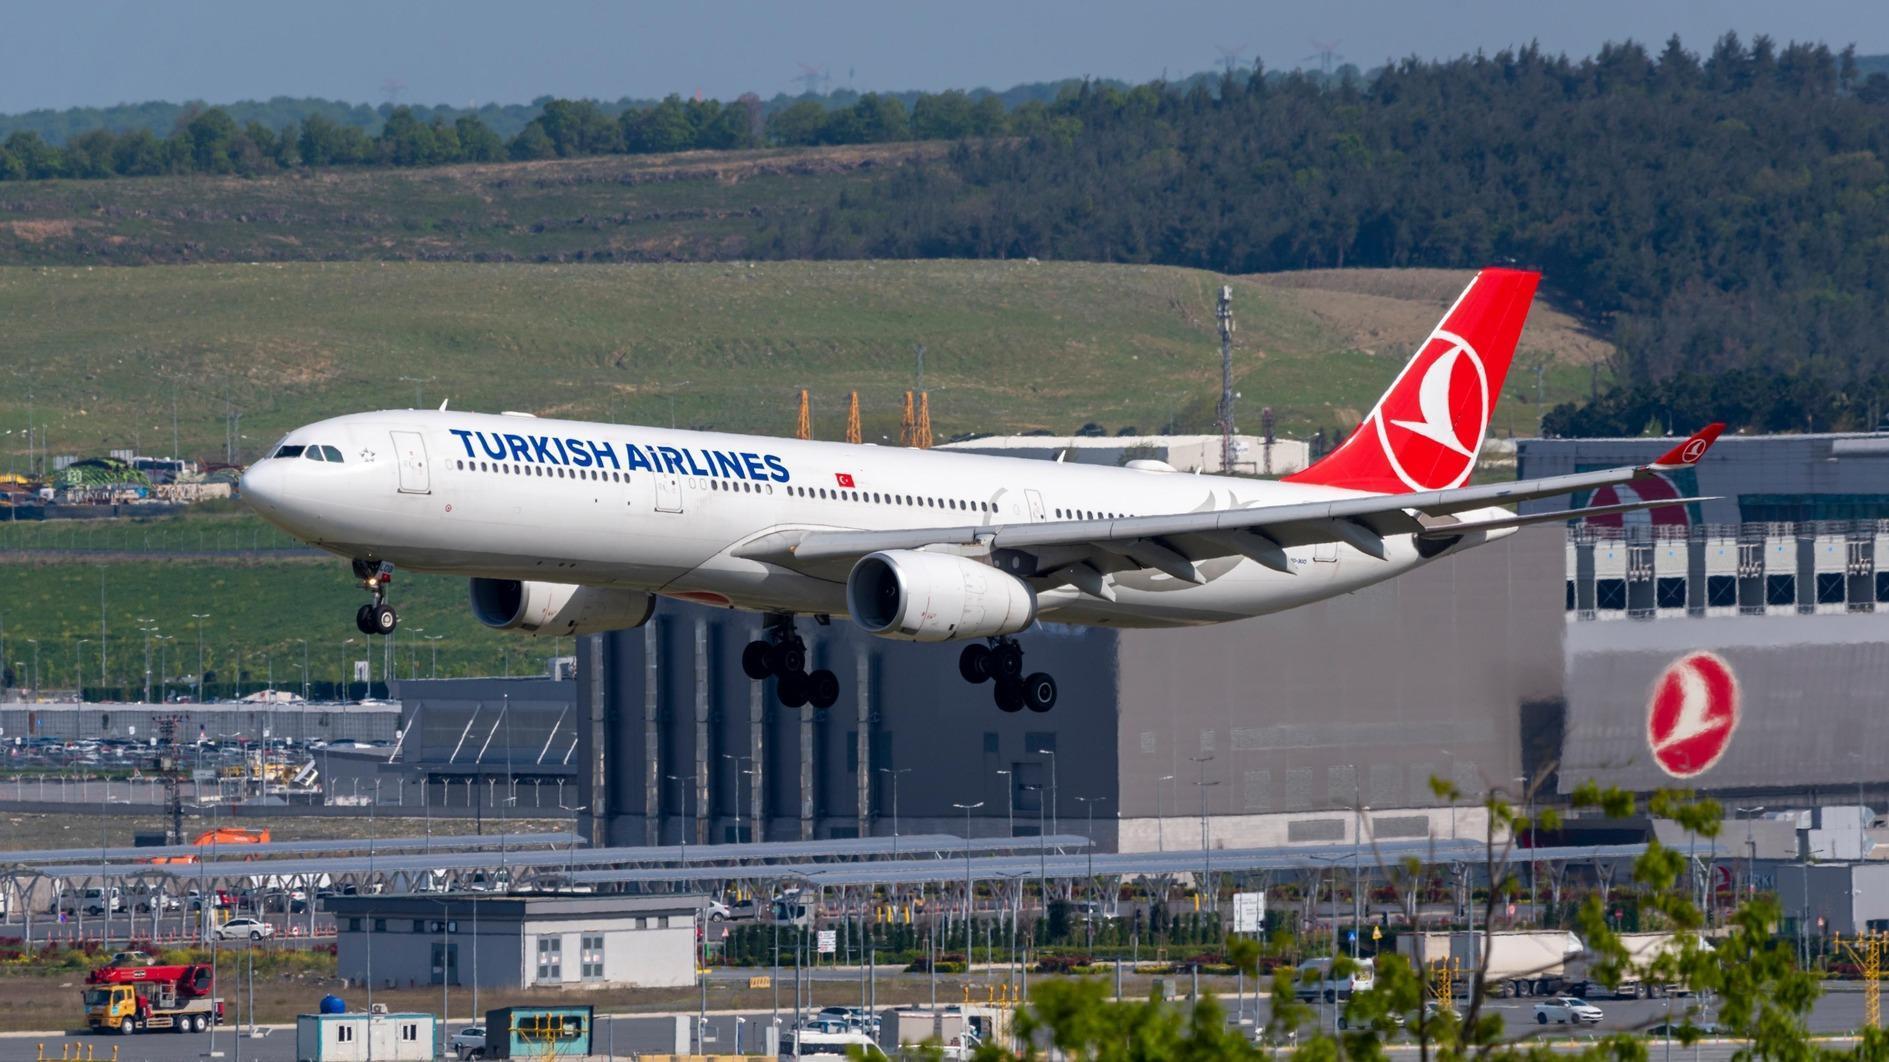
x=669 y=511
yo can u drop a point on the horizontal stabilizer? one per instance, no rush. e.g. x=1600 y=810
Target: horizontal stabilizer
x=1442 y=530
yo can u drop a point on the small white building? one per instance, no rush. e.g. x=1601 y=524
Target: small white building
x=358 y=1036
x=516 y=940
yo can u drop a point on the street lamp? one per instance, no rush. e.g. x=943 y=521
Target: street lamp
x=734 y=791
x=1051 y=753
x=78 y=670
x=967 y=809
x=199 y=617
x=895 y=772
x=1751 y=850
x=342 y=672
x=434 y=638
x=304 y=642
x=35 y=644
x=1160 y=814
x=1206 y=850
x=1010 y=802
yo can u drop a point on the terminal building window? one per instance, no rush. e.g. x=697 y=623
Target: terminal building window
x=592 y=957
x=1882 y=586
x=1610 y=594
x=1830 y=588
x=1671 y=592
x=1780 y=589
x=1721 y=591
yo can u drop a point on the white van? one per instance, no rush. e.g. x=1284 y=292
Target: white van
x=1314 y=980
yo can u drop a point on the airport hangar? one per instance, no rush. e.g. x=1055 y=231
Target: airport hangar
x=1500 y=664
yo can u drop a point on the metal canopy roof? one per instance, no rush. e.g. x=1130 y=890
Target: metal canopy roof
x=275 y=848
x=728 y=858
x=1063 y=865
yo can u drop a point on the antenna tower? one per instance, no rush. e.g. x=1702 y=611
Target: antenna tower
x=852 y=418
x=171 y=769
x=803 y=427
x=1224 y=314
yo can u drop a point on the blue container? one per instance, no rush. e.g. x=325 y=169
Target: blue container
x=332 y=1004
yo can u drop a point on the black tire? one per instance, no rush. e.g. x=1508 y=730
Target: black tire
x=1007 y=661
x=754 y=661
x=974 y=663
x=255 y=934
x=1039 y=692
x=1331 y=996
x=362 y=622
x=385 y=619
x=793 y=657
x=1009 y=695
x=791 y=688
x=1540 y=1018
x=823 y=688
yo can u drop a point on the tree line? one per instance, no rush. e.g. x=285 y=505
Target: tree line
x=1707 y=213
x=210 y=141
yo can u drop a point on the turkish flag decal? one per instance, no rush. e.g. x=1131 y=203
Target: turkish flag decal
x=845 y=478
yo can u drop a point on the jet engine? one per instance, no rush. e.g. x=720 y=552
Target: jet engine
x=558 y=609
x=935 y=597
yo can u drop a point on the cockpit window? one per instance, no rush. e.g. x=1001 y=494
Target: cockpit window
x=313 y=453
x=332 y=454
x=289 y=451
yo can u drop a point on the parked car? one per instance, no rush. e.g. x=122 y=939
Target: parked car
x=718 y=911
x=244 y=929
x=1567 y=1010
x=469 y=1042
x=854 y=1017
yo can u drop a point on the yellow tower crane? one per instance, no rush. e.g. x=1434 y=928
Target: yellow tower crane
x=852 y=418
x=803 y=428
x=1866 y=950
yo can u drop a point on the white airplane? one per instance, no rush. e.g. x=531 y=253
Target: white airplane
x=567 y=527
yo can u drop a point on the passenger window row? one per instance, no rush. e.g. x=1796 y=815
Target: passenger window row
x=1087 y=514
x=873 y=497
x=554 y=471
x=311 y=453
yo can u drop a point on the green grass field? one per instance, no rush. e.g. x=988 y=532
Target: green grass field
x=100 y=357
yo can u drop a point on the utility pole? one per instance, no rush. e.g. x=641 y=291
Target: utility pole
x=1223 y=313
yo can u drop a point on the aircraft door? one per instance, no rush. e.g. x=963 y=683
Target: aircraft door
x=410 y=450
x=668 y=492
x=1035 y=500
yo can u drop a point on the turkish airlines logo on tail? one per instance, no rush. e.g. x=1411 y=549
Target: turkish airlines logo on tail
x=1692 y=714
x=1431 y=432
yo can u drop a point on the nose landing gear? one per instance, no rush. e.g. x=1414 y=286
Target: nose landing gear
x=781 y=655
x=377 y=616
x=1001 y=662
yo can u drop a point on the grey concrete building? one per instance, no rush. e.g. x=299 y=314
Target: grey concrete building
x=1835 y=897
x=1272 y=730
x=516 y=941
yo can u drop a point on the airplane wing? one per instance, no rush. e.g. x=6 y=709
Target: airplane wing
x=1173 y=543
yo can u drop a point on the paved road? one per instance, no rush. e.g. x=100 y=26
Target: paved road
x=1836 y=1013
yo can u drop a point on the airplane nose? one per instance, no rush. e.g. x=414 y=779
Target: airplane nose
x=261 y=486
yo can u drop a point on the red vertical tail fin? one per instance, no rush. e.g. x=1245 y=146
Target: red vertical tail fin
x=1425 y=432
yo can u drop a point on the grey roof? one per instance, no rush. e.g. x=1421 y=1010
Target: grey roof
x=32 y=857
x=726 y=856
x=499 y=905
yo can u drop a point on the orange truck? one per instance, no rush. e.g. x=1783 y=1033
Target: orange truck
x=229 y=835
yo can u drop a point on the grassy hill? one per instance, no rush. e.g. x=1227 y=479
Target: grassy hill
x=691 y=206
x=101 y=355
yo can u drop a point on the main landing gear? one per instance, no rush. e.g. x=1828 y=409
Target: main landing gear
x=781 y=654
x=1002 y=662
x=377 y=616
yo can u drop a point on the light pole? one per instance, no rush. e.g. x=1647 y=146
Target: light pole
x=304 y=642
x=434 y=638
x=199 y=617
x=34 y=642
x=1010 y=802
x=1088 y=805
x=78 y=670
x=1160 y=814
x=1751 y=850
x=1051 y=753
x=734 y=791
x=164 y=666
x=895 y=772
x=1206 y=850
x=342 y=672
x=967 y=808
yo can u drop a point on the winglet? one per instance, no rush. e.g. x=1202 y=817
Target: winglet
x=1689 y=452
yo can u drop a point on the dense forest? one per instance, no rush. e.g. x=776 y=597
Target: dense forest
x=1711 y=214
x=1723 y=218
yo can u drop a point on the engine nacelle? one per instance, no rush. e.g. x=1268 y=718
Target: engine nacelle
x=935 y=597
x=558 y=609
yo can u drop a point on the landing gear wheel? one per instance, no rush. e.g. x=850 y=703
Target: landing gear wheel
x=1039 y=692
x=823 y=688
x=1009 y=695
x=384 y=619
x=974 y=663
x=754 y=660
x=792 y=689
x=792 y=656
x=363 y=619
x=1007 y=660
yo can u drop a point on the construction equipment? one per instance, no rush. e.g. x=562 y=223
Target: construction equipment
x=230 y=835
x=128 y=999
x=1866 y=951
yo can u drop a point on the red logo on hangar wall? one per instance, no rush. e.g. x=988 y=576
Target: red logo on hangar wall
x=1692 y=714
